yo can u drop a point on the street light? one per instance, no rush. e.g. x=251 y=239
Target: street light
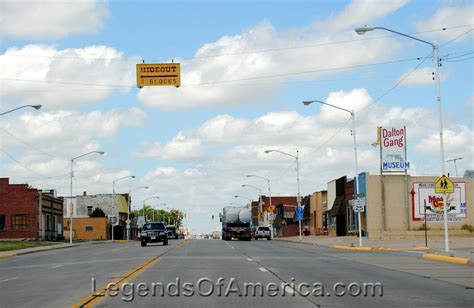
x=239 y=196
x=114 y=214
x=363 y=30
x=143 y=208
x=269 y=186
x=72 y=175
x=128 y=209
x=233 y=203
x=259 y=198
x=154 y=210
x=37 y=107
x=297 y=176
x=454 y=161
x=351 y=112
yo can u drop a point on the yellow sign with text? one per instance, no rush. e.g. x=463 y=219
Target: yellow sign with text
x=168 y=74
x=444 y=185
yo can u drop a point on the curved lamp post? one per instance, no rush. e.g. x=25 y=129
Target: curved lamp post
x=143 y=208
x=351 y=112
x=72 y=175
x=363 y=30
x=297 y=176
x=37 y=107
x=128 y=209
x=114 y=213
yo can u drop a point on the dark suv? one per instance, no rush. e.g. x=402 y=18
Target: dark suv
x=172 y=231
x=153 y=232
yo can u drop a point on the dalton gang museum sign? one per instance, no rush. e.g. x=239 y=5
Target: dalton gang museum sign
x=393 y=149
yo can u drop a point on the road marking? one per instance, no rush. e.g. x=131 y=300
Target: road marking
x=8 y=279
x=248 y=259
x=116 y=250
x=102 y=292
x=56 y=266
x=232 y=247
x=262 y=269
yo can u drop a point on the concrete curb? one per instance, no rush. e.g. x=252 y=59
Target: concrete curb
x=44 y=248
x=378 y=248
x=435 y=257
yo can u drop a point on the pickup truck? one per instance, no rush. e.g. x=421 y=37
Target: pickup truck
x=263 y=232
x=153 y=232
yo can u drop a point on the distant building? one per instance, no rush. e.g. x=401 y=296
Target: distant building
x=112 y=205
x=469 y=174
x=26 y=212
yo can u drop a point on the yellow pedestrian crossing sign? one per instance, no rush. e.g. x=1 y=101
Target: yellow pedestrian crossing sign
x=444 y=185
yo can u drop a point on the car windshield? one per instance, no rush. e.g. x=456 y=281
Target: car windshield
x=153 y=226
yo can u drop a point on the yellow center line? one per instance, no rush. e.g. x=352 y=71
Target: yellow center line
x=103 y=292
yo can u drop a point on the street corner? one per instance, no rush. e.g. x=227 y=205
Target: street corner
x=444 y=258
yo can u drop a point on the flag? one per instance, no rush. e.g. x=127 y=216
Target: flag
x=377 y=142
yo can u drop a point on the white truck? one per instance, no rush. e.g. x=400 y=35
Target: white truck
x=263 y=232
x=236 y=223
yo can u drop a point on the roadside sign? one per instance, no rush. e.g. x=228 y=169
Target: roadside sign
x=444 y=185
x=167 y=74
x=358 y=204
x=299 y=213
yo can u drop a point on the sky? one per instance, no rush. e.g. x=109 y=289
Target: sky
x=246 y=67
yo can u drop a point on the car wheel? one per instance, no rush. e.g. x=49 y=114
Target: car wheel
x=165 y=242
x=256 y=238
x=269 y=238
x=143 y=244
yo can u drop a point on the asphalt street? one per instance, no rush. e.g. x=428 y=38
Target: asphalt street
x=227 y=274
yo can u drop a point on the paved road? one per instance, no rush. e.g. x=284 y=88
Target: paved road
x=59 y=278
x=63 y=277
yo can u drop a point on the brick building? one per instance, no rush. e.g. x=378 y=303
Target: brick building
x=27 y=212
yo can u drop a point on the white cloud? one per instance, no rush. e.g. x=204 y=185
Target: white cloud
x=450 y=14
x=236 y=79
x=40 y=74
x=66 y=133
x=181 y=148
x=37 y=19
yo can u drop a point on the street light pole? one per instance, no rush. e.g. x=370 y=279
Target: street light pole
x=114 y=213
x=352 y=113
x=37 y=107
x=454 y=161
x=297 y=178
x=71 y=206
x=259 y=199
x=128 y=209
x=363 y=30
x=143 y=208
x=269 y=192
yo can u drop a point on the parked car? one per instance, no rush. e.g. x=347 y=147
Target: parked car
x=172 y=231
x=263 y=232
x=153 y=232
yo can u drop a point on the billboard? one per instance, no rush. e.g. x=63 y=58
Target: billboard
x=393 y=149
x=456 y=203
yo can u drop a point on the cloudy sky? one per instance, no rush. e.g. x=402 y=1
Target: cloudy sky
x=246 y=67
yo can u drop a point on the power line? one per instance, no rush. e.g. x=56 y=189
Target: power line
x=27 y=144
x=140 y=60
x=20 y=164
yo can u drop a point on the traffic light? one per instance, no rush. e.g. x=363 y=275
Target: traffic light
x=212 y=216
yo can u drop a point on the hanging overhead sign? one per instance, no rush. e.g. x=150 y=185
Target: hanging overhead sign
x=393 y=149
x=167 y=74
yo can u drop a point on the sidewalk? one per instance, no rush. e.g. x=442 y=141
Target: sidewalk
x=19 y=252
x=462 y=247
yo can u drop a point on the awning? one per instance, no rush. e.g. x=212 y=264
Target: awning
x=338 y=206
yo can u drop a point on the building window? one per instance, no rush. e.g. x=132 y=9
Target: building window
x=89 y=228
x=2 y=222
x=89 y=210
x=21 y=222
